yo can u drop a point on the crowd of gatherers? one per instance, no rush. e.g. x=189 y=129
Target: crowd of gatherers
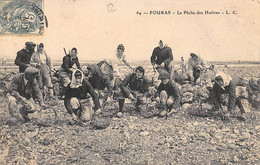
x=97 y=81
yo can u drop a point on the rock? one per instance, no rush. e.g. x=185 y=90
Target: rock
x=119 y=114
x=218 y=136
x=127 y=135
x=245 y=135
x=204 y=135
x=236 y=131
x=257 y=127
x=195 y=123
x=225 y=130
x=235 y=159
x=144 y=133
x=230 y=141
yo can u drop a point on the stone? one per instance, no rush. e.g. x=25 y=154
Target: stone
x=235 y=159
x=257 y=127
x=119 y=114
x=144 y=133
x=236 y=131
x=195 y=123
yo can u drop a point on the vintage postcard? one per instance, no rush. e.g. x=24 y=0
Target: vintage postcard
x=129 y=82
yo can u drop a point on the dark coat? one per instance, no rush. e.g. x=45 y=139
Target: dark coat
x=141 y=85
x=80 y=93
x=19 y=88
x=68 y=62
x=23 y=57
x=172 y=90
x=98 y=80
x=229 y=89
x=162 y=55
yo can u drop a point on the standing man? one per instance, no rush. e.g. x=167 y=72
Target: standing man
x=162 y=55
x=134 y=86
x=43 y=63
x=225 y=84
x=23 y=57
x=168 y=94
x=24 y=90
x=195 y=66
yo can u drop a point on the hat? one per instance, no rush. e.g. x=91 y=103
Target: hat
x=30 y=43
x=30 y=70
x=121 y=46
x=193 y=55
x=164 y=75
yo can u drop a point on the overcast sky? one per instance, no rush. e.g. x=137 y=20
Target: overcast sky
x=95 y=32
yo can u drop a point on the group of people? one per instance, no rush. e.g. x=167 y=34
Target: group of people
x=99 y=82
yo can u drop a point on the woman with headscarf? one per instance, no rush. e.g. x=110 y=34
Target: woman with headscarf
x=42 y=62
x=77 y=90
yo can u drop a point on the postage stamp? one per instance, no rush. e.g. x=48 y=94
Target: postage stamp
x=22 y=17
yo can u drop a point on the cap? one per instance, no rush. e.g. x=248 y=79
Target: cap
x=193 y=55
x=30 y=43
x=30 y=70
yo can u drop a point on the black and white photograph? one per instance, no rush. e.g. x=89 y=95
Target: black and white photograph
x=129 y=82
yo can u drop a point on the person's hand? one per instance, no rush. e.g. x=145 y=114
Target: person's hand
x=44 y=106
x=28 y=65
x=109 y=99
x=98 y=111
x=192 y=78
x=157 y=99
x=37 y=65
x=131 y=97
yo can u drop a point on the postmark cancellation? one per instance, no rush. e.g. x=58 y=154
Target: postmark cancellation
x=22 y=17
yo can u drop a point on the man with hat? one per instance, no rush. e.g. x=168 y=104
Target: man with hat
x=134 y=86
x=168 y=94
x=195 y=66
x=162 y=55
x=43 y=63
x=24 y=90
x=23 y=57
x=225 y=84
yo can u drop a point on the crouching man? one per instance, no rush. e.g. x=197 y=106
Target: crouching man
x=168 y=94
x=24 y=90
x=225 y=84
x=100 y=82
x=76 y=91
x=134 y=86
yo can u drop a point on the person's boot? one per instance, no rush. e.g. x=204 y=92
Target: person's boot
x=121 y=104
x=23 y=112
x=243 y=117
